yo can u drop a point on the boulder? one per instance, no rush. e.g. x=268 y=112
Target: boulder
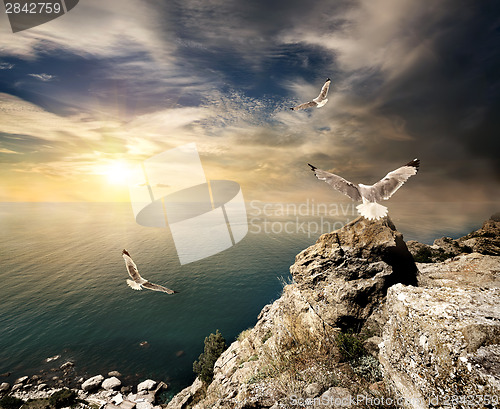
x=441 y=342
x=187 y=395
x=486 y=240
x=346 y=274
x=146 y=385
x=17 y=387
x=114 y=373
x=22 y=379
x=466 y=270
x=92 y=383
x=111 y=383
x=67 y=365
x=4 y=387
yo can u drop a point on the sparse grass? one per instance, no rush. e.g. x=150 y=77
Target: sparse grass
x=268 y=335
x=350 y=346
x=297 y=358
x=244 y=334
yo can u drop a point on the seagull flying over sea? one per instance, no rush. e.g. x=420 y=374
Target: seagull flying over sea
x=370 y=195
x=317 y=102
x=139 y=283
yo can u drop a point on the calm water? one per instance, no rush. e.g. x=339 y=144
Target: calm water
x=64 y=293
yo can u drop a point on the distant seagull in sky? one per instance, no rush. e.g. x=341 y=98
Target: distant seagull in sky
x=140 y=282
x=370 y=195
x=317 y=102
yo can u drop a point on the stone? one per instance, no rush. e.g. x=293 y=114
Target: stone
x=486 y=240
x=114 y=373
x=467 y=270
x=42 y=386
x=312 y=390
x=126 y=389
x=92 y=383
x=4 y=387
x=146 y=385
x=346 y=274
x=144 y=405
x=111 y=383
x=441 y=341
x=187 y=395
x=16 y=387
x=67 y=365
x=337 y=397
x=21 y=379
x=372 y=345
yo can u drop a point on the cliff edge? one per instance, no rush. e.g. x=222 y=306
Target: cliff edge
x=360 y=326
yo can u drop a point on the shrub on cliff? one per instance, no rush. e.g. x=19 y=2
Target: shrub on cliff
x=10 y=402
x=215 y=344
x=63 y=398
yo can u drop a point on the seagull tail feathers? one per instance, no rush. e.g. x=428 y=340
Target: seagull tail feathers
x=372 y=211
x=133 y=285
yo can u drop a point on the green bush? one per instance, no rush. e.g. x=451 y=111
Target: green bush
x=215 y=344
x=423 y=255
x=9 y=402
x=63 y=398
x=350 y=346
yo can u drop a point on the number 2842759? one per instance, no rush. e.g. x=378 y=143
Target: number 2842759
x=33 y=8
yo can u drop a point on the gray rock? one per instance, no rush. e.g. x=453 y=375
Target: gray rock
x=372 y=345
x=92 y=383
x=126 y=389
x=17 y=387
x=436 y=338
x=337 y=397
x=146 y=385
x=312 y=390
x=42 y=386
x=486 y=240
x=144 y=405
x=22 y=379
x=187 y=395
x=466 y=270
x=4 y=387
x=67 y=365
x=111 y=383
x=115 y=374
x=346 y=274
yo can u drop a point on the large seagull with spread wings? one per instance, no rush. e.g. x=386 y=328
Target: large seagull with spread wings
x=317 y=102
x=370 y=195
x=138 y=282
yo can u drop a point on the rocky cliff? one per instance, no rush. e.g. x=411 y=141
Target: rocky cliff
x=360 y=326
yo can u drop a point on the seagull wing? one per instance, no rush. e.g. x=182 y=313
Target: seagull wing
x=132 y=269
x=387 y=186
x=338 y=183
x=157 y=287
x=324 y=91
x=306 y=105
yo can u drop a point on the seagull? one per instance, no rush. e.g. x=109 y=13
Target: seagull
x=317 y=102
x=139 y=283
x=370 y=195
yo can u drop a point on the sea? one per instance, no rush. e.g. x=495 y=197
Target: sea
x=63 y=288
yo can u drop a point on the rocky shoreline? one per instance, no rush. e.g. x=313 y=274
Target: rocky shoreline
x=94 y=392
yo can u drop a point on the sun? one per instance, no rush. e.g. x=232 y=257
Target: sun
x=117 y=173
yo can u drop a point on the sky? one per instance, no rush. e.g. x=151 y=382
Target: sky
x=86 y=97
